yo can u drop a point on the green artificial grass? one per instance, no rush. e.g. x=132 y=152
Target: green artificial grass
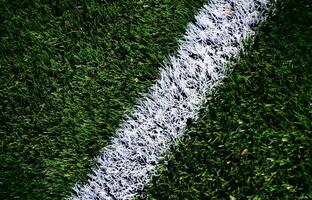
x=69 y=70
x=253 y=140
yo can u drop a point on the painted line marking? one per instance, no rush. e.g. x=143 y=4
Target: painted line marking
x=177 y=95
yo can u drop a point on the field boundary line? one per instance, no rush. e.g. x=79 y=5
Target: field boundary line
x=161 y=115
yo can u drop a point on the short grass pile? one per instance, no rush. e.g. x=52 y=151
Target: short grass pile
x=254 y=138
x=69 y=70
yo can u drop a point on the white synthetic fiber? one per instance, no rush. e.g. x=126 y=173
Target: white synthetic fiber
x=177 y=95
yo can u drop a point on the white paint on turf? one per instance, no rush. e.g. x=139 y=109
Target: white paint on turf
x=161 y=115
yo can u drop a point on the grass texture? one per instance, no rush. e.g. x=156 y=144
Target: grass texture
x=69 y=70
x=254 y=138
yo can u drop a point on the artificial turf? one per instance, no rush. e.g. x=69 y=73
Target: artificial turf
x=253 y=140
x=69 y=70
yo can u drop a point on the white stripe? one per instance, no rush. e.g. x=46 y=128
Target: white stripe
x=176 y=97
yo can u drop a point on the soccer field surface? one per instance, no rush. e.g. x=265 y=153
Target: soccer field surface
x=71 y=70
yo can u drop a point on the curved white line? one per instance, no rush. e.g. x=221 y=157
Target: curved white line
x=176 y=97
